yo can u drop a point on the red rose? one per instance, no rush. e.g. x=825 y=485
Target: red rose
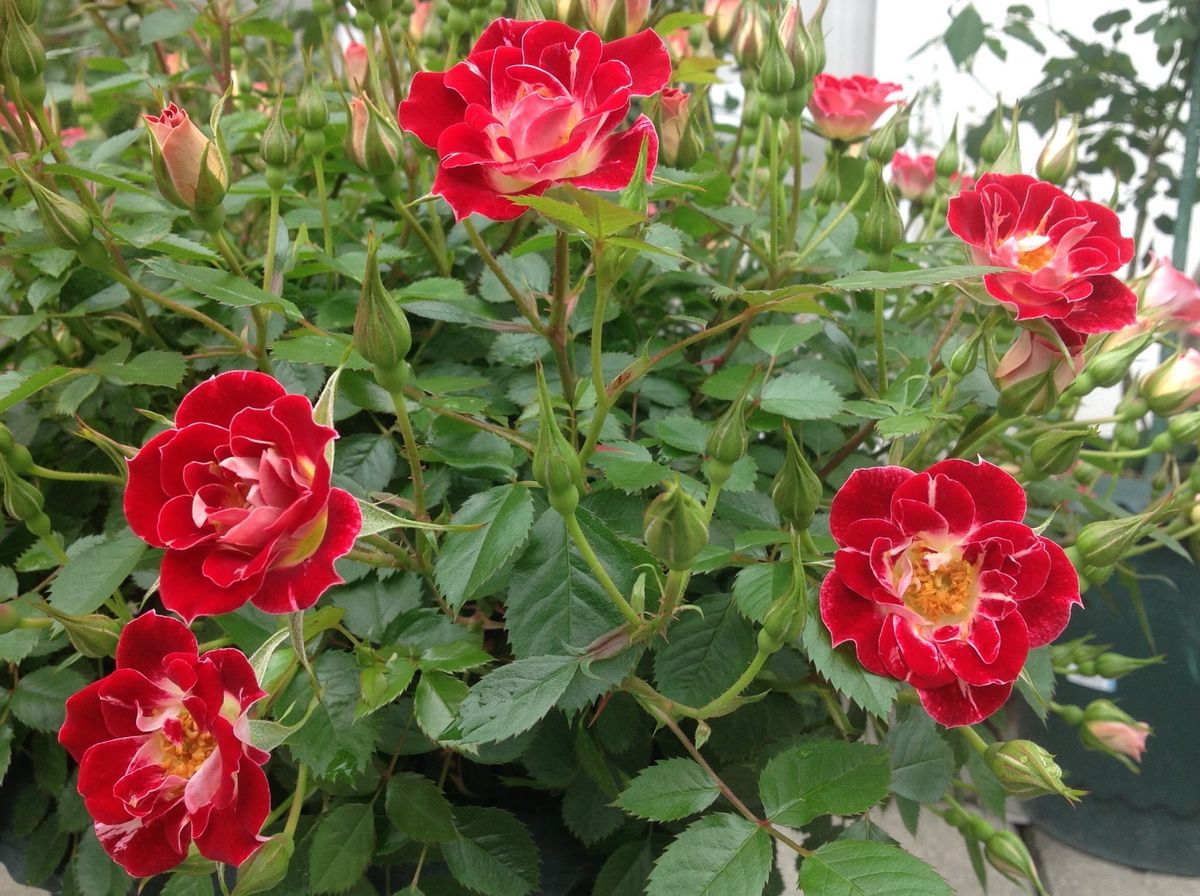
x=938 y=583
x=1064 y=252
x=847 y=108
x=164 y=752
x=238 y=493
x=534 y=104
x=913 y=175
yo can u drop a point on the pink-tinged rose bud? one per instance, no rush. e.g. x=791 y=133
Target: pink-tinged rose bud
x=187 y=165
x=355 y=61
x=847 y=108
x=1034 y=371
x=172 y=64
x=679 y=44
x=750 y=36
x=722 y=16
x=913 y=175
x=673 y=118
x=418 y=22
x=70 y=136
x=1121 y=737
x=1172 y=296
x=612 y=19
x=1174 y=385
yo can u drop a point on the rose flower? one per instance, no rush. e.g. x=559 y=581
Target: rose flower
x=847 y=108
x=939 y=583
x=1063 y=252
x=238 y=493
x=534 y=104
x=164 y=752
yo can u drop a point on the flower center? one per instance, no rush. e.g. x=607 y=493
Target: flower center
x=1034 y=252
x=942 y=589
x=184 y=758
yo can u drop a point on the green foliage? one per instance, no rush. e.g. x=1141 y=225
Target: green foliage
x=669 y=790
x=850 y=868
x=494 y=854
x=719 y=855
x=342 y=845
x=823 y=778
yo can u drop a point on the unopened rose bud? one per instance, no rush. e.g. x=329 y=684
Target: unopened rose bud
x=996 y=137
x=796 y=490
x=1105 y=542
x=266 y=868
x=785 y=616
x=815 y=49
x=22 y=501
x=750 y=39
x=1060 y=155
x=948 y=160
x=67 y=224
x=882 y=227
x=92 y=635
x=881 y=145
x=775 y=74
x=24 y=54
x=722 y=17
x=187 y=165
x=311 y=109
x=1109 y=729
x=964 y=359
x=381 y=331
x=1026 y=770
x=1033 y=373
x=276 y=144
x=1009 y=160
x=10 y=621
x=794 y=37
x=354 y=62
x=1055 y=451
x=1007 y=853
x=675 y=529
x=28 y=10
x=829 y=184
x=678 y=144
x=1174 y=385
x=370 y=146
x=1116 y=665
x=614 y=19
x=419 y=20
x=556 y=466
x=727 y=441
x=1115 y=356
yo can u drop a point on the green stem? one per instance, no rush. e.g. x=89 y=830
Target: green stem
x=1130 y=452
x=773 y=191
x=602 y=576
x=982 y=432
x=833 y=225
x=439 y=257
x=226 y=250
x=272 y=245
x=326 y=222
x=392 y=64
x=880 y=346
x=597 y=336
x=971 y=736
x=45 y=473
x=411 y=453
x=524 y=304
x=179 y=308
x=289 y=828
x=721 y=704
x=797 y=182
x=557 y=332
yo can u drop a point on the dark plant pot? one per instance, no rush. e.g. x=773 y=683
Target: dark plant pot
x=1149 y=821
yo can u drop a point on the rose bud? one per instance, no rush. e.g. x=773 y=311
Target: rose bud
x=1026 y=770
x=1007 y=853
x=679 y=44
x=996 y=138
x=67 y=224
x=238 y=494
x=267 y=867
x=418 y=22
x=750 y=37
x=1055 y=451
x=354 y=62
x=680 y=148
x=23 y=53
x=1174 y=385
x=381 y=331
x=612 y=19
x=533 y=128
x=947 y=161
x=938 y=582
x=847 y=108
x=369 y=144
x=187 y=165
x=676 y=530
x=881 y=145
x=1109 y=729
x=775 y=75
x=1060 y=155
x=555 y=464
x=1064 y=253
x=913 y=176
x=1171 y=296
x=164 y=751
x=1104 y=542
x=882 y=227
x=727 y=442
x=796 y=490
x=1033 y=374
x=722 y=17
x=1116 y=665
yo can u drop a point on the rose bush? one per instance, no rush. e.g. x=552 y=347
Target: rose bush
x=561 y=488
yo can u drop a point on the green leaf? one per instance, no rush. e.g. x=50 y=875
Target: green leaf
x=95 y=873
x=582 y=210
x=922 y=762
x=779 y=339
x=165 y=23
x=823 y=778
x=6 y=739
x=332 y=742
x=494 y=854
x=872 y=692
x=719 y=855
x=417 y=808
x=681 y=431
x=39 y=699
x=919 y=277
x=220 y=286
x=94 y=573
x=628 y=466
x=468 y=561
x=513 y=698
x=152 y=368
x=436 y=702
x=757 y=586
x=801 y=396
x=343 y=842
x=366 y=460
x=181 y=884
x=668 y=790
x=16 y=386
x=868 y=868
x=707 y=651
x=965 y=35
x=626 y=871
x=1036 y=682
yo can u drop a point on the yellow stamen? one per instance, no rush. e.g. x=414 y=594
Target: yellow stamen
x=185 y=758
x=943 y=592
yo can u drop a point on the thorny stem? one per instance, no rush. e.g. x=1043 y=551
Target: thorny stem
x=411 y=452
x=524 y=304
x=66 y=476
x=597 y=568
